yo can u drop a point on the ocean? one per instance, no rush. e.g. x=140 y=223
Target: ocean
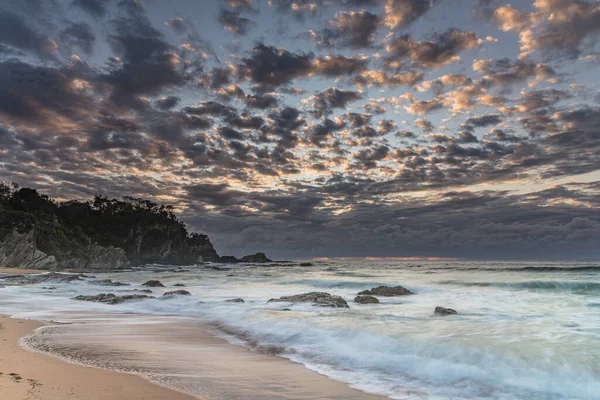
x=524 y=330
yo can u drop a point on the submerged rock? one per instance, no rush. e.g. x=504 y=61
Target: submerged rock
x=109 y=298
x=318 y=298
x=444 y=311
x=366 y=300
x=179 y=285
x=386 y=291
x=236 y=300
x=178 y=293
x=306 y=264
x=143 y=290
x=53 y=277
x=153 y=283
x=108 y=282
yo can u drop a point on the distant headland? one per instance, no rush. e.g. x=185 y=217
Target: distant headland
x=38 y=232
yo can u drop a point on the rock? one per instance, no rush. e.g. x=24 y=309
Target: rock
x=441 y=311
x=386 y=291
x=108 y=282
x=33 y=279
x=219 y=268
x=255 y=258
x=153 y=283
x=306 y=264
x=178 y=293
x=228 y=260
x=236 y=300
x=109 y=298
x=179 y=285
x=317 y=298
x=366 y=300
x=18 y=250
x=230 y=275
x=143 y=290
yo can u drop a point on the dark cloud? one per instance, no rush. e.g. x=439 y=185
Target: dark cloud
x=330 y=98
x=16 y=33
x=234 y=22
x=96 y=8
x=443 y=49
x=355 y=29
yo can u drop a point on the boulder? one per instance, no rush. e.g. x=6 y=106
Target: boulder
x=386 y=291
x=255 y=258
x=317 y=298
x=366 y=300
x=236 y=300
x=153 y=283
x=109 y=298
x=179 y=285
x=441 y=311
x=178 y=293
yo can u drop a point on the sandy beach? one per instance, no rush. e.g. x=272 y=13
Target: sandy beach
x=36 y=376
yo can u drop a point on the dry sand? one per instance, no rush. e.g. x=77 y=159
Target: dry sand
x=34 y=376
x=21 y=271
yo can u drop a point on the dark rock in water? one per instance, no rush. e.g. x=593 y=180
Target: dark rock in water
x=228 y=259
x=366 y=300
x=33 y=279
x=286 y=309
x=318 y=298
x=109 y=298
x=230 y=275
x=306 y=264
x=386 y=291
x=179 y=285
x=108 y=282
x=153 y=283
x=219 y=268
x=236 y=300
x=255 y=258
x=178 y=293
x=444 y=311
x=143 y=290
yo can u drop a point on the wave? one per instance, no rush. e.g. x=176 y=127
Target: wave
x=591 y=268
x=321 y=283
x=572 y=287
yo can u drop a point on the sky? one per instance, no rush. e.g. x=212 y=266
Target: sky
x=317 y=128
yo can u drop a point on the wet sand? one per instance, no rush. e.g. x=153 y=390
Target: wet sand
x=36 y=376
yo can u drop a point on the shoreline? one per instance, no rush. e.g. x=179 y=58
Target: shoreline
x=229 y=371
x=26 y=374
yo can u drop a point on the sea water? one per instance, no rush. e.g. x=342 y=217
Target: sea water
x=524 y=330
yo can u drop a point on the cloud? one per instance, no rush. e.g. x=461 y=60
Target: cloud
x=403 y=12
x=442 y=50
x=96 y=8
x=79 y=35
x=355 y=29
x=234 y=22
x=15 y=33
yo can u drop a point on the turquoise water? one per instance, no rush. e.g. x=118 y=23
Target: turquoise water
x=525 y=330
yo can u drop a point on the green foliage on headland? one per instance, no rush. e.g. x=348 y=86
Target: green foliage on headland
x=146 y=231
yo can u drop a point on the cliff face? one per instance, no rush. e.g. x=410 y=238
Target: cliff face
x=35 y=232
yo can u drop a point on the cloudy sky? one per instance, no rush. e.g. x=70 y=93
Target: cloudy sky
x=317 y=128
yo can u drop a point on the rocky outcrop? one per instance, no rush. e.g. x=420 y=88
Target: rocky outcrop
x=317 y=298
x=386 y=291
x=18 y=250
x=178 y=293
x=236 y=300
x=255 y=258
x=228 y=259
x=366 y=300
x=109 y=298
x=153 y=283
x=441 y=311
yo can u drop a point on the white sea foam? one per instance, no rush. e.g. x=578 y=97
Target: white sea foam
x=519 y=334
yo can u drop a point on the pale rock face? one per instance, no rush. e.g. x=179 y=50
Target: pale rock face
x=18 y=250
